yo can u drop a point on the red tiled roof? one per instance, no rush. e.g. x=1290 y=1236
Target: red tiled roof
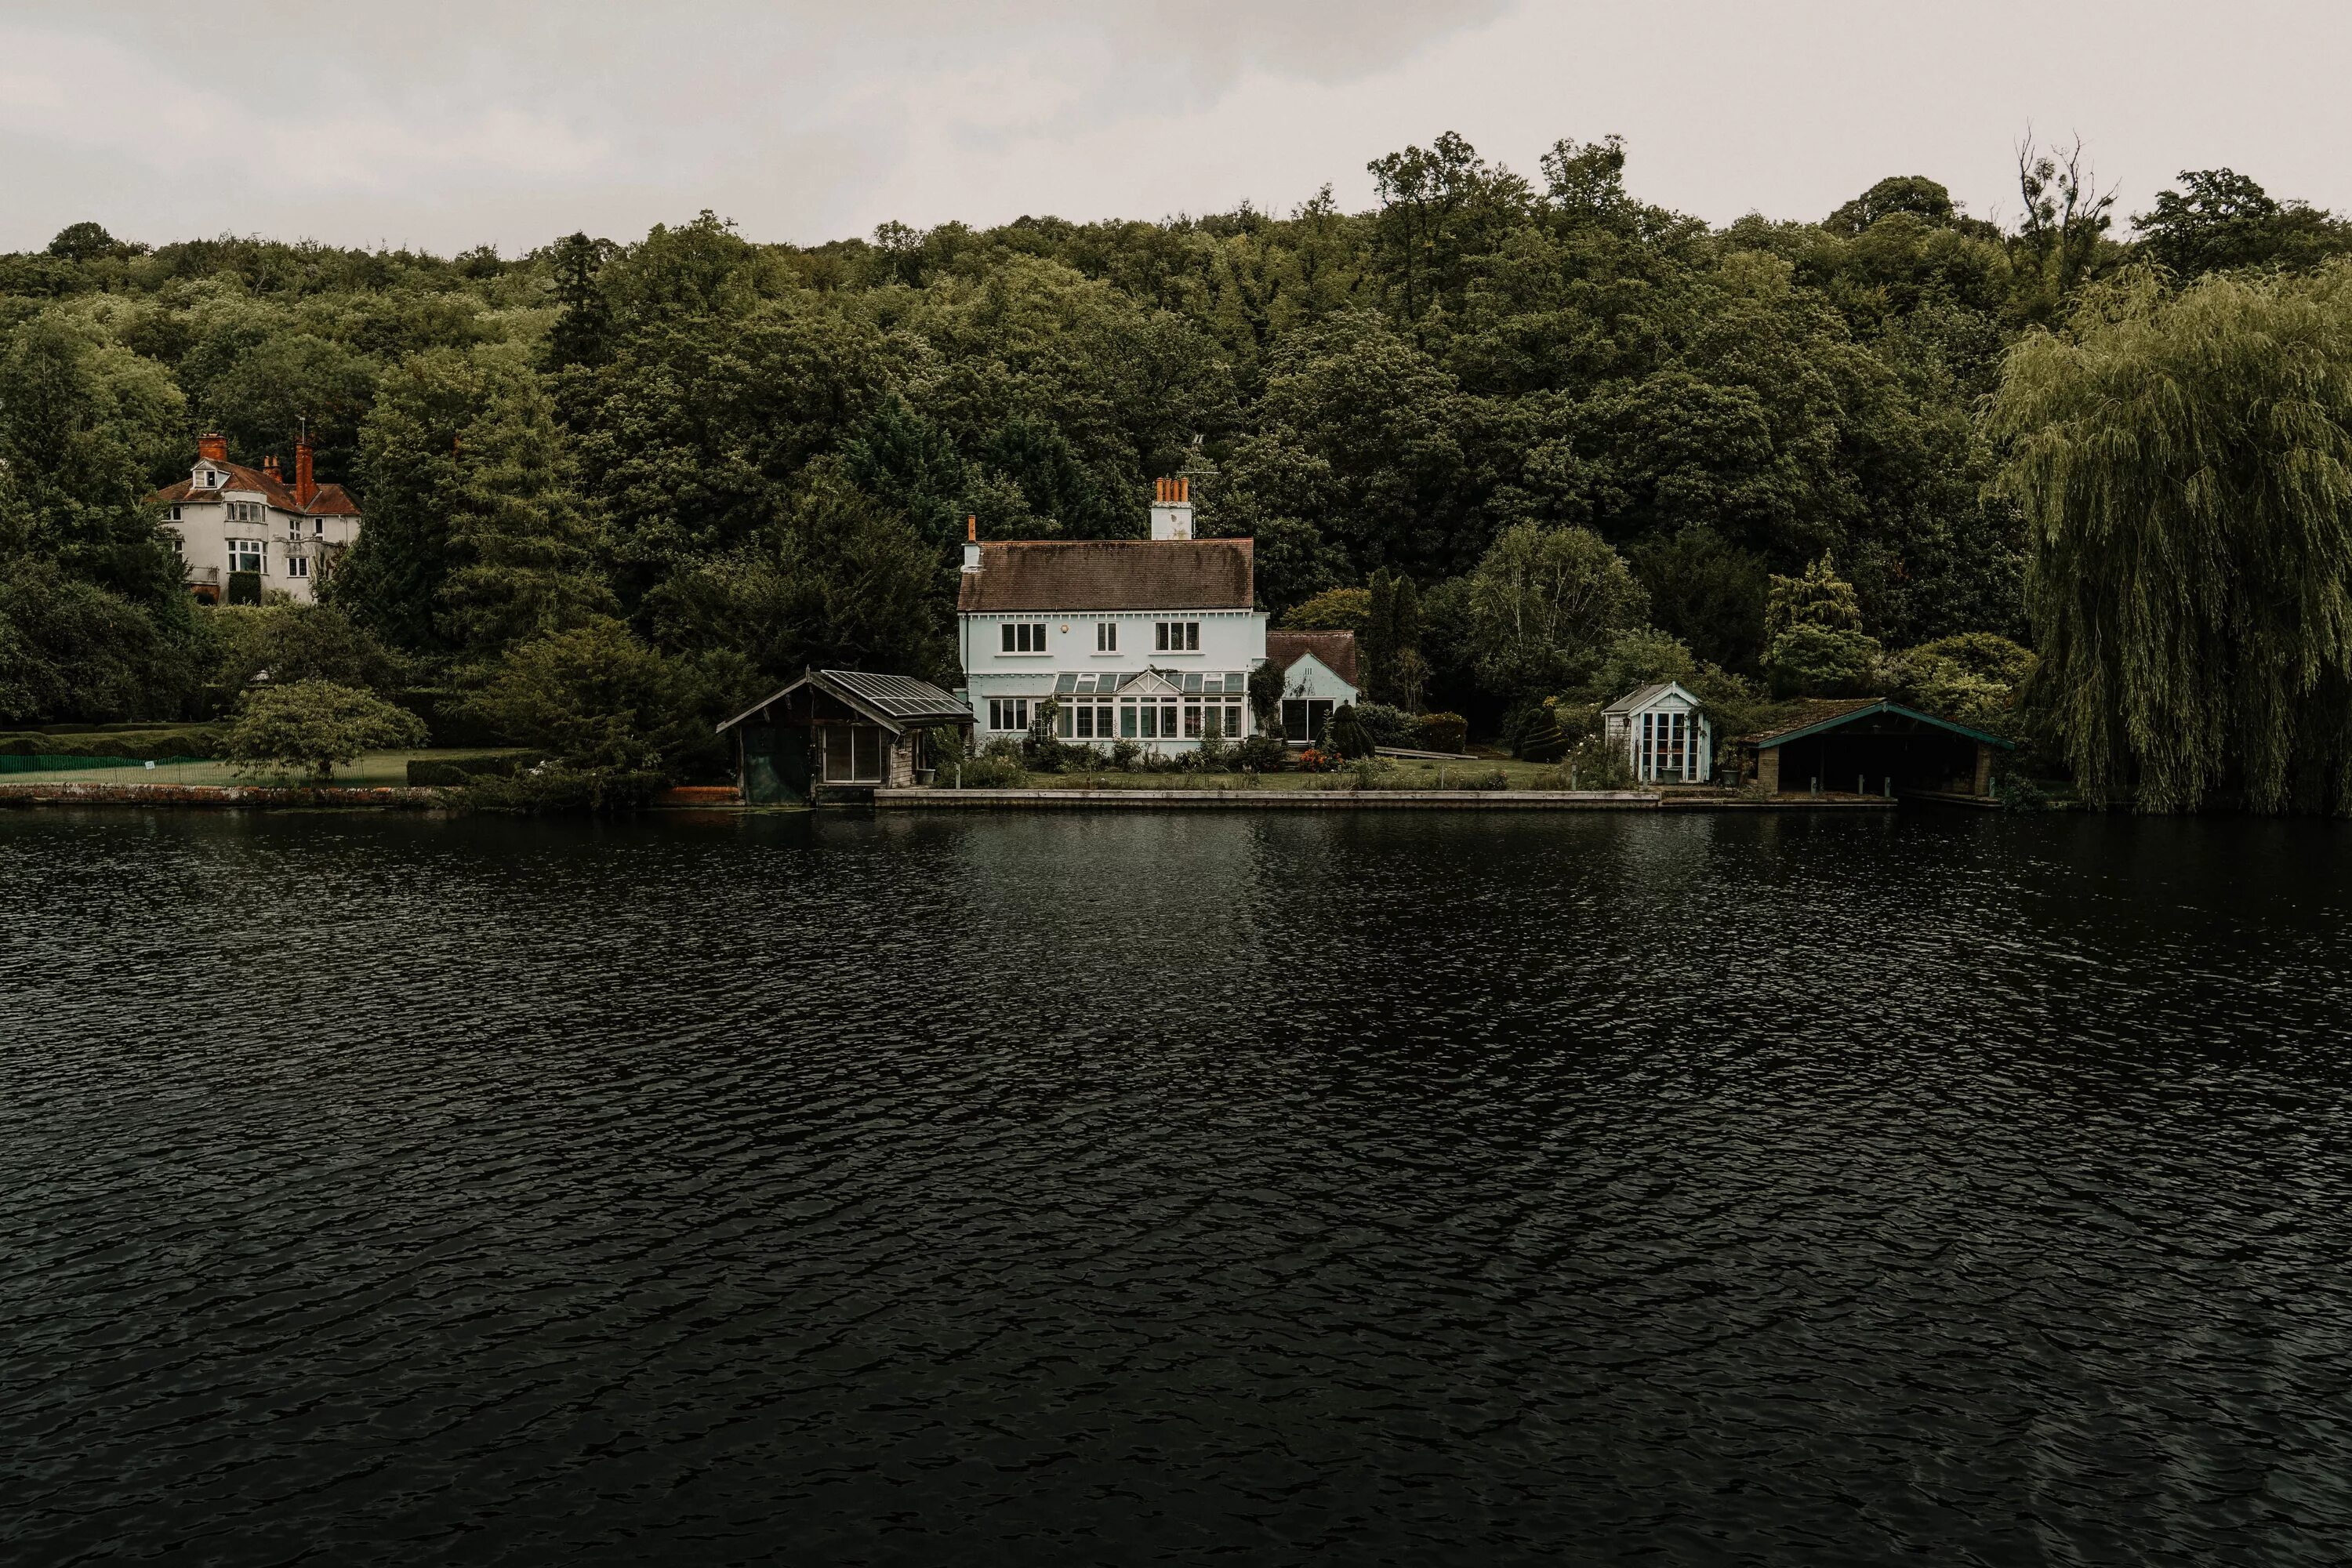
x=329 y=500
x=333 y=500
x=1336 y=651
x=1110 y=575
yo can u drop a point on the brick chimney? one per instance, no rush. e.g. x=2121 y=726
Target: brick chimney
x=212 y=446
x=971 y=543
x=269 y=466
x=1171 y=509
x=305 y=484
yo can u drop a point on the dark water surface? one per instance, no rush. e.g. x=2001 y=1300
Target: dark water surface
x=1175 y=1188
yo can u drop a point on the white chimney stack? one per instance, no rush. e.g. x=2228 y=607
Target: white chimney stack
x=971 y=543
x=1171 y=509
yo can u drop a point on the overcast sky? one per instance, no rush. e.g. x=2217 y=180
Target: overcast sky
x=447 y=123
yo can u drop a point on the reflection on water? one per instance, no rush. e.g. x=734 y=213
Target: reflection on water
x=1143 y=1187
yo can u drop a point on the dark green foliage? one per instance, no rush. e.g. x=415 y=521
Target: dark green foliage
x=1818 y=647
x=156 y=743
x=1395 y=670
x=2185 y=463
x=1476 y=396
x=287 y=643
x=1333 y=610
x=1386 y=726
x=1442 y=733
x=312 y=726
x=1347 y=734
x=2222 y=219
x=447 y=772
x=600 y=701
x=70 y=649
x=1708 y=594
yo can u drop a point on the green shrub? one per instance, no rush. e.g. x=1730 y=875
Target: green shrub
x=146 y=743
x=1389 y=726
x=1493 y=778
x=996 y=765
x=445 y=773
x=1442 y=733
x=553 y=787
x=312 y=725
x=1596 y=764
x=1263 y=753
x=1348 y=736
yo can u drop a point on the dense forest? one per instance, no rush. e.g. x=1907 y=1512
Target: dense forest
x=2087 y=482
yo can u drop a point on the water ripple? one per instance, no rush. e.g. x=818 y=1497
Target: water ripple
x=1142 y=1188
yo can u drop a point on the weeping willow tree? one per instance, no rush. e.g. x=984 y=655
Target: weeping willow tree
x=2184 y=461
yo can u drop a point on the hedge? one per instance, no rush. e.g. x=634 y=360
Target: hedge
x=154 y=743
x=1444 y=732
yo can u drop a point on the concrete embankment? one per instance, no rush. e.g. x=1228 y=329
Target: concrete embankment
x=1353 y=800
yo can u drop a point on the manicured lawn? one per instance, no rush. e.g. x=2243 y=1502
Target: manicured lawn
x=373 y=770
x=1401 y=773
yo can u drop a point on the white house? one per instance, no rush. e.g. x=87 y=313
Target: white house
x=1662 y=734
x=236 y=527
x=1319 y=675
x=1144 y=640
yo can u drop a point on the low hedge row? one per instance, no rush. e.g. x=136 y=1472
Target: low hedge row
x=147 y=744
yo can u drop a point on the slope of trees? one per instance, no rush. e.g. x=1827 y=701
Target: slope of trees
x=1560 y=434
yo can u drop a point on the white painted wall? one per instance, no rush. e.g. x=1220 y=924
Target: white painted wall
x=205 y=531
x=1231 y=641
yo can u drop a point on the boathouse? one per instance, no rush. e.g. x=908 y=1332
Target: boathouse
x=1869 y=745
x=839 y=734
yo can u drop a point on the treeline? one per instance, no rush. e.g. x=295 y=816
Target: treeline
x=611 y=488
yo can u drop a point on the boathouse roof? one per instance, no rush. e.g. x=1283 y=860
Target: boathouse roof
x=1834 y=714
x=894 y=701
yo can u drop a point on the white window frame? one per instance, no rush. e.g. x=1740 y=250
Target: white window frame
x=257 y=549
x=1175 y=637
x=1105 y=636
x=297 y=566
x=1003 y=708
x=1013 y=635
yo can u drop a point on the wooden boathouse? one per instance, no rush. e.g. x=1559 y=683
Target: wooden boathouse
x=839 y=734
x=1871 y=746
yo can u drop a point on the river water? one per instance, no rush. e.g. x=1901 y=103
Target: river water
x=1183 y=1188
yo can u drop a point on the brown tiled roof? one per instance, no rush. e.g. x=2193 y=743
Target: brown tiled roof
x=333 y=500
x=1110 y=575
x=329 y=501
x=1336 y=649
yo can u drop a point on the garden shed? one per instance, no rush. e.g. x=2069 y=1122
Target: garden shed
x=1871 y=747
x=839 y=734
x=1661 y=731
